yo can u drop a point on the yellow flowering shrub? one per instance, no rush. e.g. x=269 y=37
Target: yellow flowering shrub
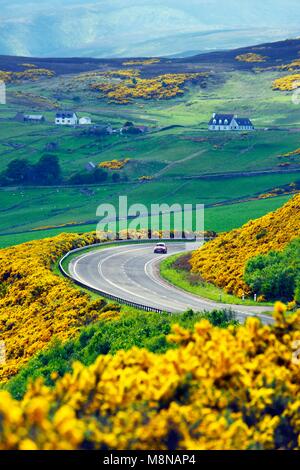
x=292 y=188
x=235 y=388
x=293 y=153
x=142 y=62
x=288 y=83
x=295 y=64
x=145 y=178
x=222 y=261
x=28 y=99
x=251 y=57
x=114 y=164
x=28 y=74
x=132 y=86
x=35 y=304
x=29 y=65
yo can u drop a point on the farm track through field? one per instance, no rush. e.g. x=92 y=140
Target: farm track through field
x=178 y=162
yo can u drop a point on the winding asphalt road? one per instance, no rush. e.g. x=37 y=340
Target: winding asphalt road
x=131 y=272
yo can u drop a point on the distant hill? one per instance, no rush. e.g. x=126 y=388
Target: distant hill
x=90 y=28
x=274 y=54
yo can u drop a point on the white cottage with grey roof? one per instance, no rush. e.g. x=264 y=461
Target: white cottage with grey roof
x=229 y=122
x=66 y=118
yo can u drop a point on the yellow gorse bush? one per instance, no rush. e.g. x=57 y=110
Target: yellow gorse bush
x=222 y=261
x=114 y=164
x=288 y=83
x=145 y=178
x=294 y=65
x=21 y=97
x=132 y=86
x=29 y=65
x=292 y=188
x=220 y=389
x=28 y=74
x=293 y=153
x=251 y=57
x=142 y=62
x=37 y=305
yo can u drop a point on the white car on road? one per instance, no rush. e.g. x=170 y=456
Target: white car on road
x=160 y=248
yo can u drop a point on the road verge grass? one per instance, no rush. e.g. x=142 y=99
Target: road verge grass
x=182 y=279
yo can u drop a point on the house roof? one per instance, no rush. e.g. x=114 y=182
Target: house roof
x=65 y=114
x=243 y=121
x=90 y=166
x=35 y=117
x=222 y=118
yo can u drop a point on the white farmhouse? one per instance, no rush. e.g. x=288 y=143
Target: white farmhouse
x=229 y=122
x=66 y=118
x=84 y=121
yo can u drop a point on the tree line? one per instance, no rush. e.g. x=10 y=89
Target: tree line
x=47 y=172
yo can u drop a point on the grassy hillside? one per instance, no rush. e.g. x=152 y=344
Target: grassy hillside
x=222 y=261
x=237 y=169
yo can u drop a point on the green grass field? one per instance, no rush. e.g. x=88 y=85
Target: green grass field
x=219 y=219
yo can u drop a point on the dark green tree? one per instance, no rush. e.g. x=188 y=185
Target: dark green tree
x=116 y=177
x=275 y=275
x=18 y=171
x=47 y=170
